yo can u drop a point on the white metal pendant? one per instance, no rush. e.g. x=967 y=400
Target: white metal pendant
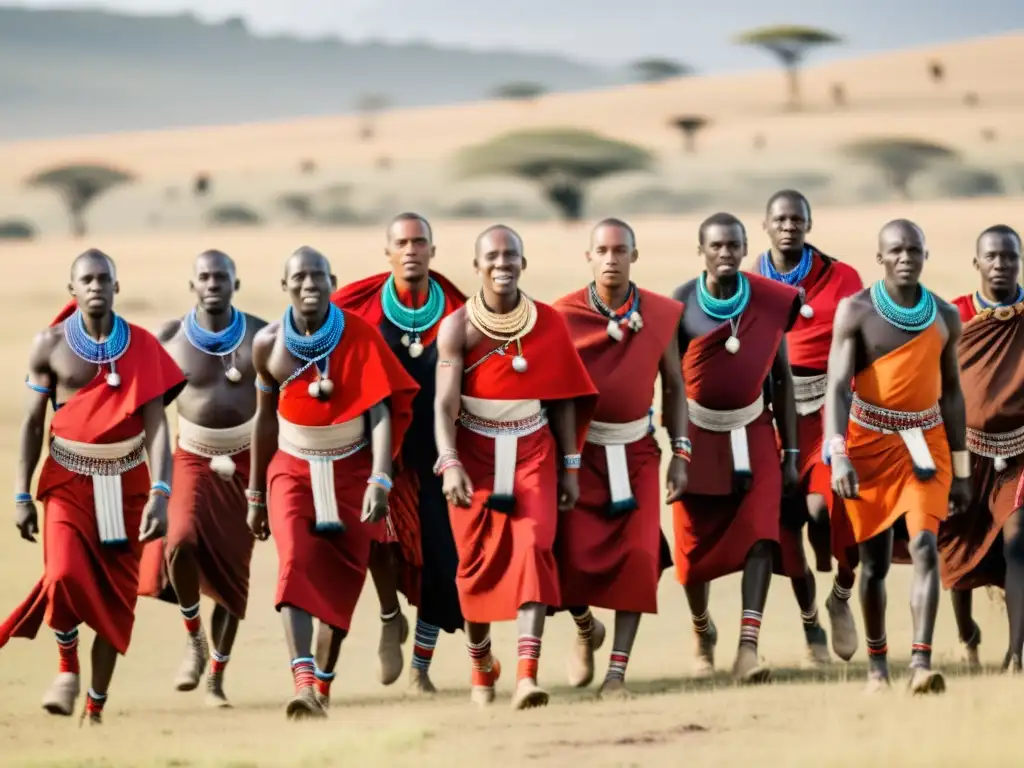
x=615 y=330
x=415 y=349
x=519 y=364
x=807 y=311
x=233 y=375
x=732 y=345
x=114 y=379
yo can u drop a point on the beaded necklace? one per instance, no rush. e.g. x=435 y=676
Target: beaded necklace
x=730 y=309
x=218 y=344
x=911 y=320
x=631 y=317
x=99 y=353
x=412 y=321
x=982 y=303
x=314 y=348
x=794 y=277
x=509 y=327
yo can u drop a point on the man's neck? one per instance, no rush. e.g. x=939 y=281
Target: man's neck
x=307 y=325
x=215 y=323
x=995 y=296
x=416 y=289
x=722 y=287
x=501 y=304
x=786 y=261
x=613 y=297
x=905 y=296
x=99 y=327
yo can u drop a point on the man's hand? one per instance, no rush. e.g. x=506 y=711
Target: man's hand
x=375 y=503
x=258 y=521
x=457 y=487
x=568 y=491
x=790 y=472
x=27 y=519
x=960 y=495
x=676 y=479
x=154 y=518
x=844 y=478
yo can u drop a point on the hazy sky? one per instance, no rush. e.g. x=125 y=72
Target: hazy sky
x=604 y=31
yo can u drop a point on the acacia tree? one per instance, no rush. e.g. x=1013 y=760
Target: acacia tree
x=690 y=126
x=369 y=106
x=899 y=159
x=78 y=186
x=790 y=45
x=561 y=161
x=519 y=91
x=658 y=70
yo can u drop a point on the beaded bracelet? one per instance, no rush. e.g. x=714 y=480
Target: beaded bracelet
x=254 y=498
x=572 y=462
x=160 y=488
x=381 y=479
x=446 y=460
x=682 y=448
x=23 y=498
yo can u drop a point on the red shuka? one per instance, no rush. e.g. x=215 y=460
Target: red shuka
x=323 y=574
x=83 y=580
x=507 y=560
x=714 y=527
x=363 y=298
x=207 y=512
x=614 y=562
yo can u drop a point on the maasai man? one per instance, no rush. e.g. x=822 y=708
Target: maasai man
x=329 y=387
x=407 y=304
x=506 y=366
x=986 y=546
x=608 y=546
x=208 y=545
x=732 y=341
x=823 y=281
x=109 y=382
x=897 y=342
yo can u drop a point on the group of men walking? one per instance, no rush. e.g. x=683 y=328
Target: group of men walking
x=493 y=458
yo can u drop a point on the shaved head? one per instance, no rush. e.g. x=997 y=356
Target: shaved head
x=213 y=256
x=619 y=223
x=898 y=228
x=409 y=216
x=1000 y=230
x=92 y=256
x=306 y=256
x=789 y=195
x=494 y=229
x=719 y=220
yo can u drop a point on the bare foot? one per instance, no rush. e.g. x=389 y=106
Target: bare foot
x=393 y=635
x=817 y=648
x=197 y=654
x=878 y=682
x=482 y=691
x=62 y=695
x=926 y=681
x=529 y=695
x=704 y=651
x=215 y=697
x=614 y=690
x=844 y=628
x=581 y=660
x=748 y=669
x=968 y=653
x=304 y=706
x=419 y=682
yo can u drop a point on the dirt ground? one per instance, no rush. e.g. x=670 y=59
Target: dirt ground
x=803 y=719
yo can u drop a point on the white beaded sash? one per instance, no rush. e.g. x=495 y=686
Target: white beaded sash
x=505 y=421
x=218 y=445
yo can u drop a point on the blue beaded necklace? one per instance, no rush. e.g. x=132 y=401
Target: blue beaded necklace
x=314 y=349
x=219 y=344
x=98 y=352
x=723 y=309
x=795 y=276
x=911 y=320
x=985 y=304
x=412 y=321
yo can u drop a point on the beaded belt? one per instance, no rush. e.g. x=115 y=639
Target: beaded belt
x=320 y=447
x=614 y=438
x=104 y=463
x=999 y=446
x=217 y=445
x=909 y=425
x=735 y=422
x=487 y=428
x=809 y=393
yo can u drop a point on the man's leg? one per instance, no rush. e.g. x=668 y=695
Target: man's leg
x=224 y=629
x=394 y=629
x=626 y=625
x=104 y=658
x=328 y=649
x=967 y=629
x=183 y=568
x=875 y=559
x=61 y=696
x=423 y=645
x=298 y=630
x=486 y=668
x=757 y=576
x=1013 y=549
x=924 y=607
x=530 y=623
x=705 y=634
x=796 y=510
x=837 y=604
x=590 y=634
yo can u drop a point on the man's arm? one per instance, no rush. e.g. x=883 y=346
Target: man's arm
x=158 y=440
x=951 y=401
x=264 y=428
x=380 y=438
x=168 y=331
x=842 y=360
x=451 y=337
x=675 y=416
x=41 y=384
x=562 y=417
x=783 y=399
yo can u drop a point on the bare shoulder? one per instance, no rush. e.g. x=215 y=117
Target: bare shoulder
x=683 y=292
x=950 y=316
x=267 y=335
x=255 y=323
x=451 y=334
x=169 y=330
x=851 y=311
x=44 y=342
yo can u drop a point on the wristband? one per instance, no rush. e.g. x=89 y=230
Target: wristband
x=791 y=450
x=379 y=478
x=38 y=388
x=961 y=464
x=161 y=489
x=446 y=460
x=572 y=462
x=836 y=446
x=254 y=498
x=23 y=498
x=682 y=448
